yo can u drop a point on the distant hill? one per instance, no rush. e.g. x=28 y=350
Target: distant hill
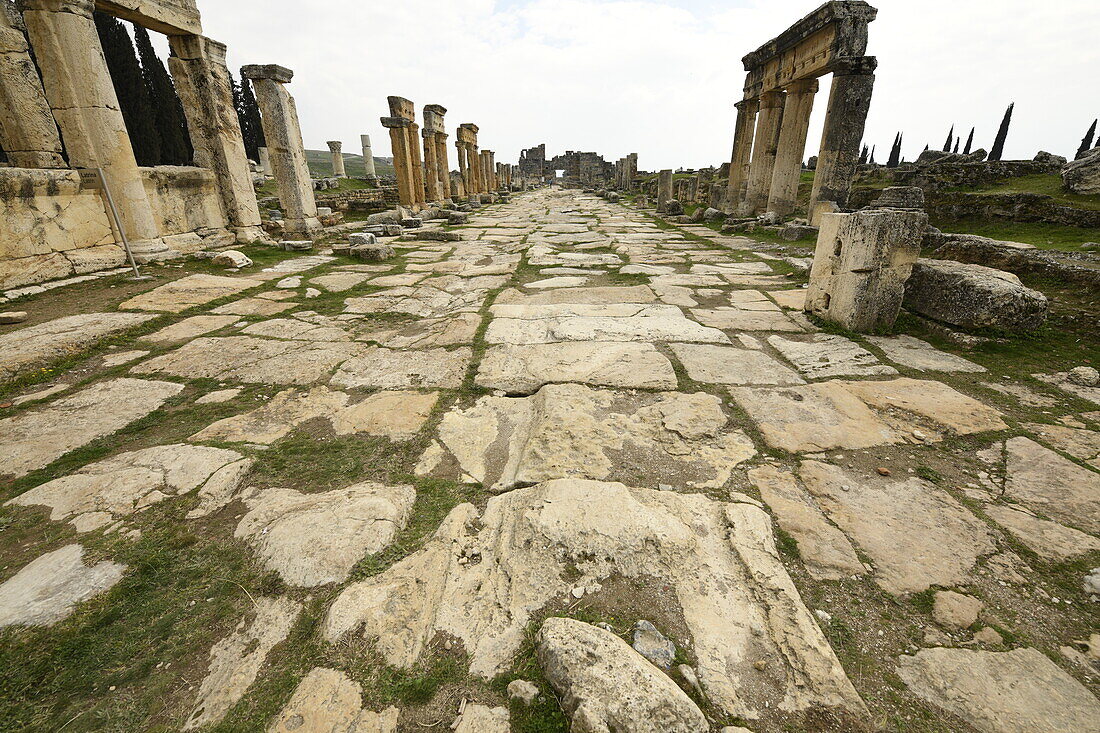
x=320 y=164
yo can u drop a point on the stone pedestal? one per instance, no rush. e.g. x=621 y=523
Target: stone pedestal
x=28 y=133
x=664 y=190
x=742 y=152
x=206 y=93
x=286 y=149
x=80 y=93
x=792 y=146
x=368 y=157
x=861 y=265
x=766 y=144
x=336 y=149
x=845 y=121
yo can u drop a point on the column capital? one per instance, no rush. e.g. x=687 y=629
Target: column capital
x=748 y=105
x=770 y=99
x=438 y=109
x=190 y=48
x=854 y=66
x=803 y=86
x=274 y=72
x=395 y=122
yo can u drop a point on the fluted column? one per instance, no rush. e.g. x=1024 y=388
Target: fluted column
x=742 y=152
x=336 y=150
x=792 y=146
x=766 y=142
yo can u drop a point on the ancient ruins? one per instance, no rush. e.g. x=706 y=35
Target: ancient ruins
x=537 y=442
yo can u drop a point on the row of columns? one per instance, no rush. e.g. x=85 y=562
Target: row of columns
x=770 y=141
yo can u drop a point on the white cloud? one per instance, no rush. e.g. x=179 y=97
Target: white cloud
x=659 y=77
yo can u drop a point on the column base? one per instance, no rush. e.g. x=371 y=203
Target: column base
x=251 y=235
x=152 y=250
x=308 y=228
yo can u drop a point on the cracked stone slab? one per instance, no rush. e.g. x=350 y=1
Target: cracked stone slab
x=1084 y=445
x=328 y=701
x=588 y=296
x=315 y=539
x=731 y=365
x=275 y=419
x=1049 y=484
x=48 y=589
x=916 y=534
x=720 y=561
x=40 y=344
x=338 y=282
x=570 y=430
x=117 y=487
x=252 y=359
x=740 y=319
x=426 y=333
x=630 y=323
x=188 y=292
x=235 y=660
x=33 y=439
x=917 y=354
x=823 y=355
x=391 y=369
x=299 y=329
x=1020 y=691
x=395 y=415
x=1050 y=540
x=523 y=369
x=189 y=328
x=253 y=307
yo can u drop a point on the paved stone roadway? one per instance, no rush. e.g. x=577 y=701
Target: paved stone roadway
x=639 y=403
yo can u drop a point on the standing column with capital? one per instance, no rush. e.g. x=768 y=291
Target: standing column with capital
x=845 y=123
x=336 y=150
x=768 y=124
x=368 y=157
x=435 y=170
x=792 y=146
x=283 y=133
x=747 y=110
x=82 y=98
x=399 y=143
x=405 y=141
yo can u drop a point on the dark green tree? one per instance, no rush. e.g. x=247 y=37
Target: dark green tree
x=175 y=144
x=133 y=96
x=895 y=153
x=248 y=112
x=950 y=140
x=872 y=159
x=1002 y=135
x=1086 y=143
x=958 y=142
x=969 y=142
x=863 y=155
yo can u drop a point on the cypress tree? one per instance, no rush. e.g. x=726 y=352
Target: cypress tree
x=248 y=112
x=927 y=148
x=872 y=160
x=969 y=142
x=133 y=96
x=1002 y=135
x=863 y=155
x=958 y=142
x=895 y=153
x=950 y=140
x=175 y=145
x=1086 y=143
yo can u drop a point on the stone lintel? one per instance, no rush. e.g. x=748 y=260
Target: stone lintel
x=274 y=72
x=194 y=47
x=401 y=107
x=853 y=14
x=858 y=66
x=438 y=109
x=171 y=17
x=76 y=7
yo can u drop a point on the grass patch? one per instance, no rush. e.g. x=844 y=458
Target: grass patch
x=1040 y=183
x=1043 y=236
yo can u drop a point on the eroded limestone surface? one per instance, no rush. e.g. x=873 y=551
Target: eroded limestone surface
x=249 y=359
x=188 y=292
x=523 y=369
x=46 y=342
x=327 y=701
x=48 y=589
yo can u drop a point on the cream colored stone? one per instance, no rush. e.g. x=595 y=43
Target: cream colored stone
x=1084 y=445
x=40 y=344
x=947 y=408
x=548 y=324
x=826 y=355
x=1050 y=540
x=523 y=369
x=393 y=415
x=327 y=701
x=729 y=365
x=276 y=419
x=390 y=369
x=917 y=354
x=338 y=282
x=482 y=719
x=189 y=328
x=1047 y=483
x=48 y=589
x=740 y=319
x=188 y=292
x=955 y=611
x=252 y=307
x=429 y=333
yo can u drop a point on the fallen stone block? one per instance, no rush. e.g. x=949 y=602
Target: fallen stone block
x=231 y=258
x=973 y=296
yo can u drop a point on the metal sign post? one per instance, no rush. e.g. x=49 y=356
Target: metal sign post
x=94 y=180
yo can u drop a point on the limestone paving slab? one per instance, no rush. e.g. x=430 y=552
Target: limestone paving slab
x=48 y=589
x=821 y=355
x=740 y=319
x=392 y=369
x=42 y=343
x=1050 y=540
x=253 y=307
x=731 y=365
x=1049 y=484
x=188 y=292
x=917 y=354
x=397 y=415
x=275 y=419
x=328 y=701
x=190 y=328
x=523 y=369
x=644 y=323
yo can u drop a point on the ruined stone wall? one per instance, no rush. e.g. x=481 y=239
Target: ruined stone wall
x=184 y=199
x=938 y=176
x=368 y=199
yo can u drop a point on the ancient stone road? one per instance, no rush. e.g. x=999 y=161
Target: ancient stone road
x=635 y=407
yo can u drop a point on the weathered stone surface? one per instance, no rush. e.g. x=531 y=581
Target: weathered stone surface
x=235 y=661
x=1082 y=176
x=917 y=354
x=275 y=419
x=38 y=345
x=826 y=552
x=314 y=539
x=248 y=359
x=955 y=611
x=743 y=319
x=1050 y=540
x=231 y=258
x=719 y=560
x=729 y=365
x=394 y=415
x=653 y=645
x=826 y=355
x=1020 y=691
x=327 y=701
x=615 y=322
x=482 y=719
x=523 y=369
x=338 y=282
x=605 y=685
x=933 y=402
x=114 y=488
x=189 y=328
x=916 y=534
x=1047 y=483
x=973 y=296
x=574 y=431
x=33 y=439
x=590 y=296
x=48 y=589
x=390 y=369
x=188 y=292
x=258 y=306
x=1082 y=444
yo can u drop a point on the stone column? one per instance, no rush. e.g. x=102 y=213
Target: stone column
x=283 y=134
x=747 y=110
x=206 y=93
x=80 y=93
x=495 y=185
x=664 y=189
x=28 y=133
x=368 y=157
x=473 y=164
x=443 y=164
x=432 y=189
x=487 y=171
x=463 y=165
x=768 y=124
x=792 y=146
x=399 y=142
x=336 y=149
x=435 y=171
x=845 y=121
x=265 y=161
x=417 y=164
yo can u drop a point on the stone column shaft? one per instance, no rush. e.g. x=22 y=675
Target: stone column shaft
x=463 y=170
x=664 y=189
x=783 y=196
x=80 y=93
x=206 y=93
x=742 y=151
x=766 y=143
x=845 y=123
x=399 y=141
x=433 y=189
x=416 y=163
x=475 y=170
x=28 y=133
x=443 y=164
x=368 y=156
x=336 y=149
x=283 y=133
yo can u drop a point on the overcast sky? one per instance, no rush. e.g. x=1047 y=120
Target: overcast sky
x=659 y=77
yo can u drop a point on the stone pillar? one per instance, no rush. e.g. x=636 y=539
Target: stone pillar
x=432 y=189
x=80 y=93
x=443 y=163
x=368 y=157
x=283 y=134
x=206 y=94
x=28 y=133
x=495 y=184
x=768 y=124
x=336 y=149
x=664 y=189
x=845 y=121
x=417 y=164
x=792 y=146
x=463 y=165
x=399 y=142
x=437 y=177
x=747 y=110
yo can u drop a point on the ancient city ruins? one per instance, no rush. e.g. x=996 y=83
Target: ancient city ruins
x=440 y=442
